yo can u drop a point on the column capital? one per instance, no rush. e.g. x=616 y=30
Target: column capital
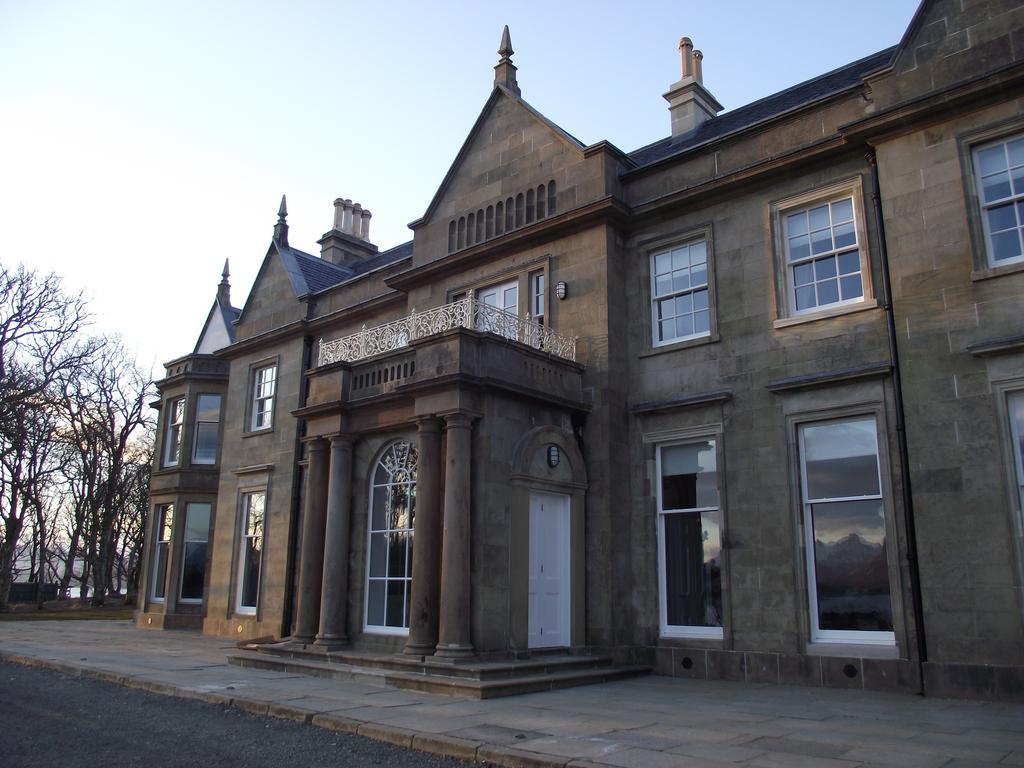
x=458 y=419
x=315 y=443
x=429 y=423
x=342 y=438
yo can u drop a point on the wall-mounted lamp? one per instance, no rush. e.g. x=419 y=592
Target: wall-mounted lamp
x=553 y=456
x=561 y=289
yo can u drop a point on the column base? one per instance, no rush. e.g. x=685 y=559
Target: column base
x=418 y=649
x=300 y=640
x=330 y=642
x=455 y=652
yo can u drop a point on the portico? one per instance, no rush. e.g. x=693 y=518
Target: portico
x=445 y=538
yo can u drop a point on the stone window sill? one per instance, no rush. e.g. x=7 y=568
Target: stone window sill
x=853 y=650
x=987 y=273
x=847 y=309
x=698 y=342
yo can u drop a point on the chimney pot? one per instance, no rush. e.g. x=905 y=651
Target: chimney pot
x=698 y=72
x=357 y=219
x=366 y=225
x=346 y=215
x=686 y=57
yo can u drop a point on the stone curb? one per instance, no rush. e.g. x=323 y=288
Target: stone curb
x=431 y=743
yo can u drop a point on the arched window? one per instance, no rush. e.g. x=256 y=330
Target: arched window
x=470 y=229
x=480 y=226
x=551 y=198
x=489 y=233
x=541 y=197
x=529 y=206
x=462 y=232
x=509 y=221
x=392 y=512
x=499 y=219
x=451 y=236
x=519 y=209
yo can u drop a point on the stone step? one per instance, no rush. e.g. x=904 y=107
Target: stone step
x=544 y=663
x=528 y=681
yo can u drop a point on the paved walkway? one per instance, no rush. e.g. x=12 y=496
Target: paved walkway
x=652 y=722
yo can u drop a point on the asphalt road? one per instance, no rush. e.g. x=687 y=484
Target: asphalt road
x=50 y=719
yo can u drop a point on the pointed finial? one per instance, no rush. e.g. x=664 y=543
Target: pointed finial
x=505 y=50
x=281 y=228
x=224 y=289
x=505 y=71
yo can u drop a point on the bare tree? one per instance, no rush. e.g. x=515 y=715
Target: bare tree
x=40 y=341
x=105 y=403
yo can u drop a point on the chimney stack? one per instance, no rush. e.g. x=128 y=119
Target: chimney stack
x=689 y=103
x=349 y=239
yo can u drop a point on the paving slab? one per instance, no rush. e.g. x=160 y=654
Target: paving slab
x=653 y=722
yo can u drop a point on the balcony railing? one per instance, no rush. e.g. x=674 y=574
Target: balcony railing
x=465 y=313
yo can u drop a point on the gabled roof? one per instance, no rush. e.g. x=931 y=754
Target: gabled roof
x=498 y=92
x=219 y=328
x=801 y=95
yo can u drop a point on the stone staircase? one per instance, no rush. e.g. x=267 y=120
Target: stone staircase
x=471 y=679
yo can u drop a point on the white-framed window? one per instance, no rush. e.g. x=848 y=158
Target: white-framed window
x=204 y=451
x=999 y=179
x=689 y=539
x=392 y=515
x=193 y=554
x=824 y=262
x=175 y=424
x=250 y=550
x=537 y=296
x=680 y=306
x=1015 y=407
x=503 y=297
x=844 y=523
x=264 y=384
x=163 y=529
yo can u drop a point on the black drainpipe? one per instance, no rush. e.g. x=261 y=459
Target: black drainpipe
x=901 y=430
x=297 y=480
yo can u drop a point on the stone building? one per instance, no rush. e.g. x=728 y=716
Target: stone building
x=745 y=403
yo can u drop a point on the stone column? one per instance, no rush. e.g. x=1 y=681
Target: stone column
x=426 y=551
x=334 y=596
x=311 y=558
x=455 y=639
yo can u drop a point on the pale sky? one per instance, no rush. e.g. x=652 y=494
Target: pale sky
x=142 y=143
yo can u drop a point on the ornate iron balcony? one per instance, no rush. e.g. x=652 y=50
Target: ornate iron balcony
x=465 y=313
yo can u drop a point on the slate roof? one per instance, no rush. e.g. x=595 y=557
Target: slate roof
x=311 y=274
x=756 y=112
x=384 y=258
x=229 y=314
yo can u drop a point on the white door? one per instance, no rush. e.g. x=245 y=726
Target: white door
x=505 y=298
x=549 y=570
